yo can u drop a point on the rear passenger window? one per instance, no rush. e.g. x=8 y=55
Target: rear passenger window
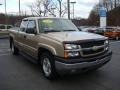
x=9 y=26
x=23 y=25
x=31 y=24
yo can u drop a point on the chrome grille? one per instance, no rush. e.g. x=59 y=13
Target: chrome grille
x=92 y=51
x=92 y=48
x=92 y=43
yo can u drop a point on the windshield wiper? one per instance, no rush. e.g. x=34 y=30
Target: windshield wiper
x=51 y=31
x=47 y=31
x=69 y=30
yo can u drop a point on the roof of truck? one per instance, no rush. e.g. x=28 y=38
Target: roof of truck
x=41 y=18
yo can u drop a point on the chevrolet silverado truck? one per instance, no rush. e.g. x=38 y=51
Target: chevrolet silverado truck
x=59 y=46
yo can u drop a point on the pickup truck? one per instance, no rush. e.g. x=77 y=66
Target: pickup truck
x=4 y=30
x=59 y=47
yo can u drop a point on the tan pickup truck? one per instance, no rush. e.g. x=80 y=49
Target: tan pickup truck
x=59 y=46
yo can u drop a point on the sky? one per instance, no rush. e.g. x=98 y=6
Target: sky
x=82 y=7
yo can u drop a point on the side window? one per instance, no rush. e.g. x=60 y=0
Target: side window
x=31 y=27
x=23 y=25
x=9 y=26
x=31 y=24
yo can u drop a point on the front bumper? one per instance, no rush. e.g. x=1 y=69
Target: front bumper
x=64 y=67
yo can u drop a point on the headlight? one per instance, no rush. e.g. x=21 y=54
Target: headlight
x=70 y=50
x=106 y=44
x=71 y=46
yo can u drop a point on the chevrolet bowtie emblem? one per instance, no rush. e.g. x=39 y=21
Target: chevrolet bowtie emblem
x=94 y=48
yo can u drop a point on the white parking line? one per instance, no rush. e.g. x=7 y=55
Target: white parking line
x=5 y=50
x=4 y=44
x=4 y=55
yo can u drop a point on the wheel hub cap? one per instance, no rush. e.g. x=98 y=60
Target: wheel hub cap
x=46 y=66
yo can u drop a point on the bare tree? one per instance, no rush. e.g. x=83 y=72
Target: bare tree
x=31 y=8
x=40 y=7
x=60 y=7
x=48 y=7
x=111 y=4
x=37 y=7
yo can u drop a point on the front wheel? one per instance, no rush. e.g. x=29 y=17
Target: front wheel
x=48 y=65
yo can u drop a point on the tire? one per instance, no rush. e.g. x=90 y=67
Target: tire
x=15 y=50
x=48 y=65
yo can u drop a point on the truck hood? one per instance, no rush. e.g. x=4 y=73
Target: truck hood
x=72 y=36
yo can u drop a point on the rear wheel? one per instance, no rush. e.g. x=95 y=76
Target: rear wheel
x=48 y=65
x=14 y=49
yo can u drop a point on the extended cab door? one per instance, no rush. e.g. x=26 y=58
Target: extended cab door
x=31 y=39
x=22 y=34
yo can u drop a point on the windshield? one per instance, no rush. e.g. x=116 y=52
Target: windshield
x=56 y=25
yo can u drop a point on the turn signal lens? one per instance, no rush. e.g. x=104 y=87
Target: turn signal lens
x=71 y=54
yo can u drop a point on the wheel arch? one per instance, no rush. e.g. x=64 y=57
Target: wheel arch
x=42 y=50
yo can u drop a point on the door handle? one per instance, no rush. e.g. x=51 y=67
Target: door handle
x=25 y=36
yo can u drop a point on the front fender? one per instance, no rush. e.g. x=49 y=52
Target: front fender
x=48 y=47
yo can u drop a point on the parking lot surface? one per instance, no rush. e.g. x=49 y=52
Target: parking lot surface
x=18 y=73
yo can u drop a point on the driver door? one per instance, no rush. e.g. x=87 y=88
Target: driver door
x=31 y=39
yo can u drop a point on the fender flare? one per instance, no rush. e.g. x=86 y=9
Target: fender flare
x=48 y=47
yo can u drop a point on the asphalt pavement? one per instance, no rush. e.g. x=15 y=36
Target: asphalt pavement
x=18 y=73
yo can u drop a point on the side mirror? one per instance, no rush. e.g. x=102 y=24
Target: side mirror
x=31 y=31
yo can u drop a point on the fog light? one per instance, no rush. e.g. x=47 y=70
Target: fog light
x=73 y=54
x=107 y=48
